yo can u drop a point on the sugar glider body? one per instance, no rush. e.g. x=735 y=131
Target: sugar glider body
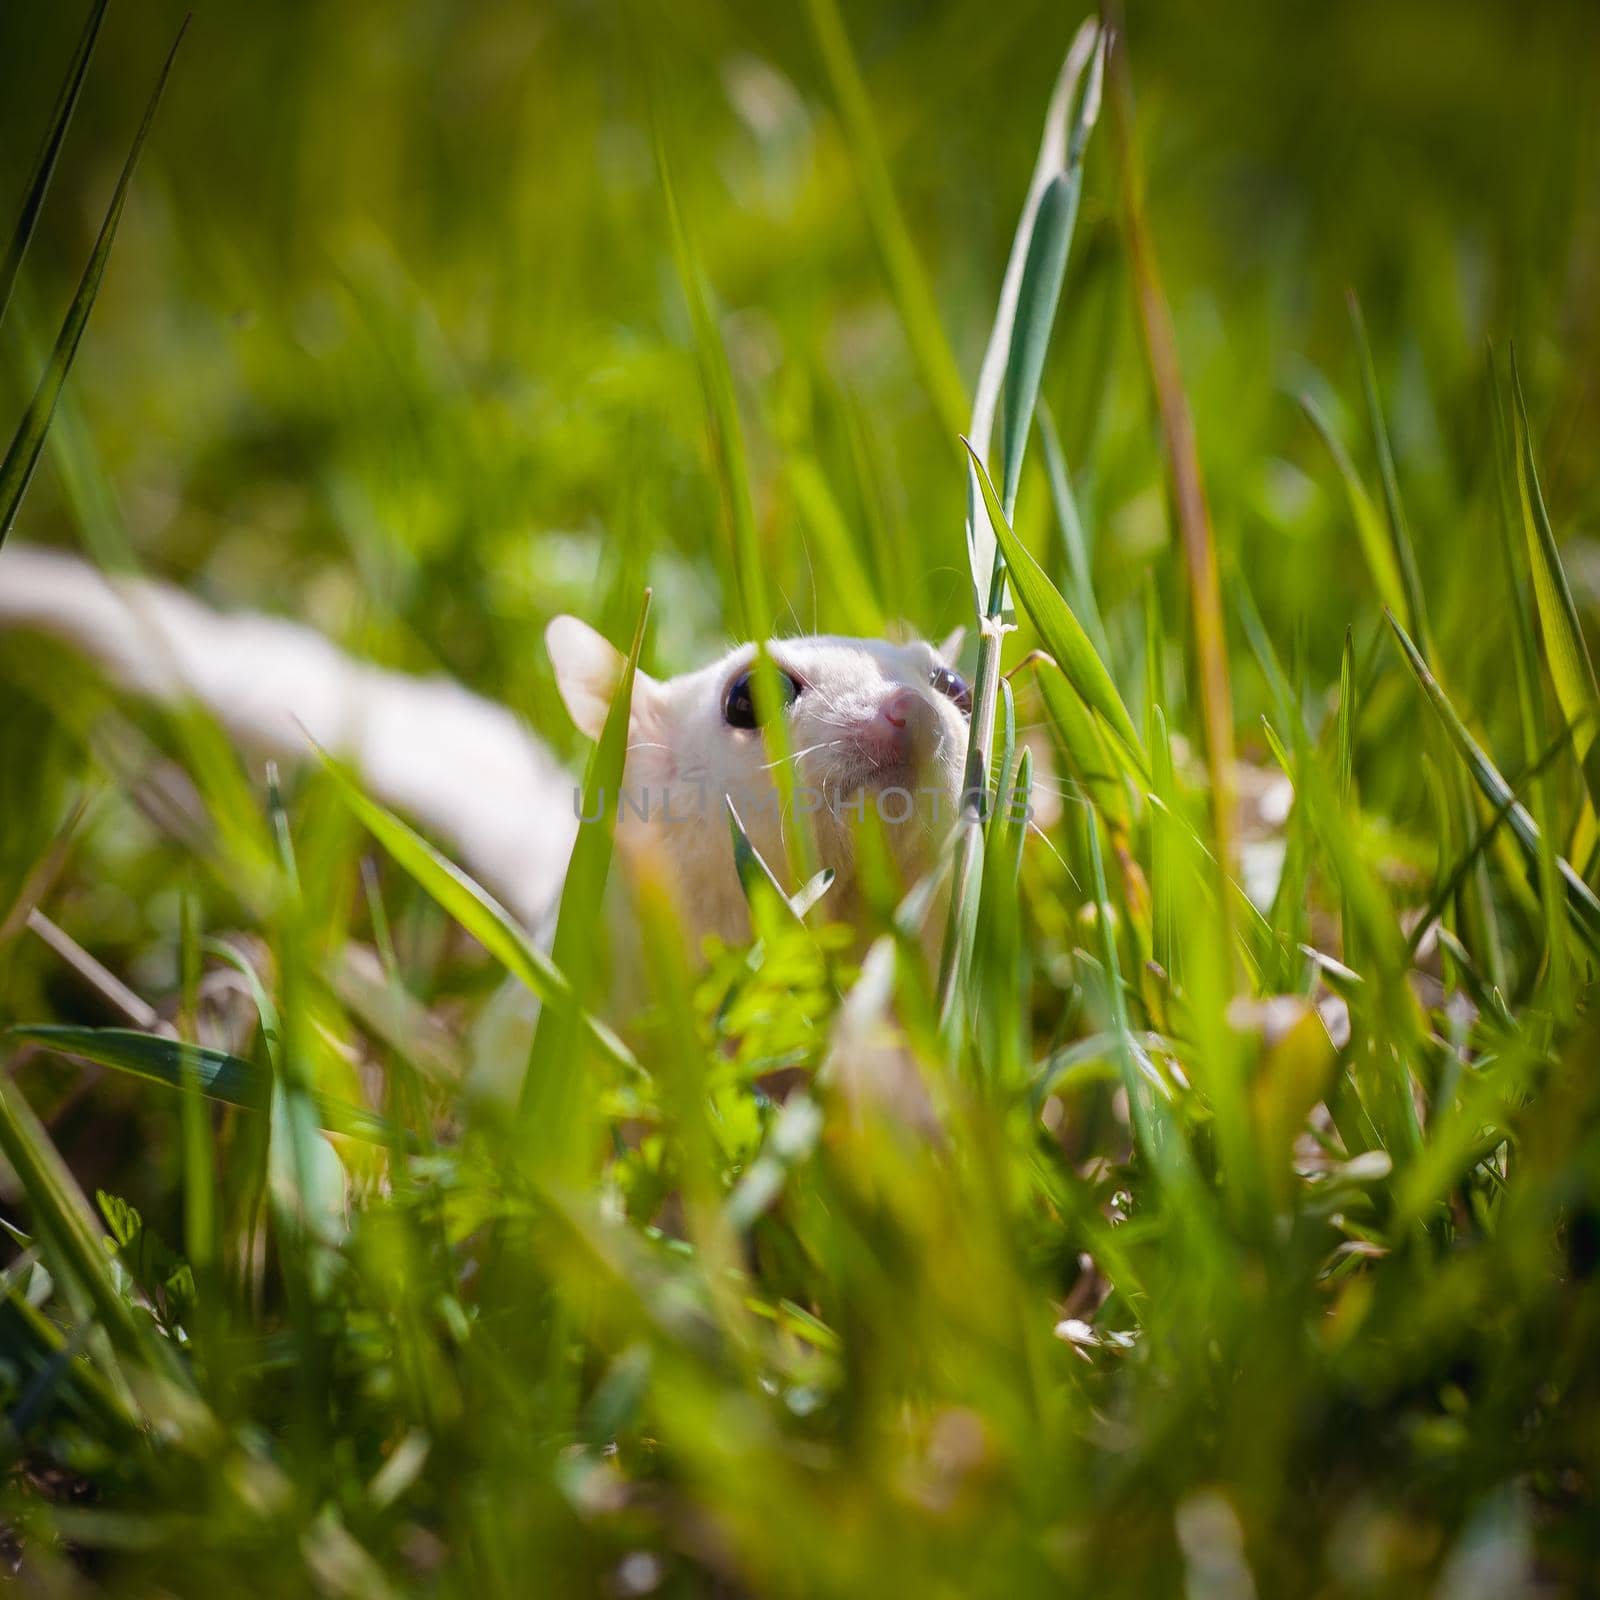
x=867 y=721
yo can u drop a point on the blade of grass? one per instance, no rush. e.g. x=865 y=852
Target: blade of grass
x=1476 y=908
x=733 y=479
x=849 y=580
x=919 y=312
x=987 y=568
x=1040 y=292
x=1163 y=850
x=1525 y=656
x=1003 y=953
x=475 y=909
x=1050 y=165
x=44 y=167
x=1183 y=469
x=1159 y=1137
x=1082 y=742
x=1079 y=567
x=1399 y=532
x=218 y=1075
x=1581 y=899
x=1376 y=545
x=1571 y=669
x=1480 y=843
x=199 y=1158
x=551 y=1111
x=970 y=1004
x=1059 y=630
x=1387 y=1037
x=16 y=472
x=762 y=891
x=62 y=1215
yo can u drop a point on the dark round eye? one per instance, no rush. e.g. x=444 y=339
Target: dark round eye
x=954 y=687
x=739 y=708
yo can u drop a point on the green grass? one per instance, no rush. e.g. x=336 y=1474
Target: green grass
x=1162 y=1239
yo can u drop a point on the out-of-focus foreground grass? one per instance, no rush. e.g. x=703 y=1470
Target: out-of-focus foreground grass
x=393 y=340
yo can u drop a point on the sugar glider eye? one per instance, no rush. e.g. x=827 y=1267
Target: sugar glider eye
x=739 y=706
x=954 y=687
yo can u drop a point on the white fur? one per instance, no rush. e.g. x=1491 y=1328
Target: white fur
x=683 y=758
x=469 y=770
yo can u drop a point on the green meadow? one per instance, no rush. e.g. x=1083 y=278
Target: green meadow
x=1192 y=1191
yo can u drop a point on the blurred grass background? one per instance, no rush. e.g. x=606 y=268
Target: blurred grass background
x=392 y=340
x=393 y=311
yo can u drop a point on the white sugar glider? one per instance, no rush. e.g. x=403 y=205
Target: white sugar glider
x=869 y=722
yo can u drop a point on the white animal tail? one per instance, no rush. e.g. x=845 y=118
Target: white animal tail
x=462 y=766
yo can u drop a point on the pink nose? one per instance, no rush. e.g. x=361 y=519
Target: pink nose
x=901 y=727
x=902 y=708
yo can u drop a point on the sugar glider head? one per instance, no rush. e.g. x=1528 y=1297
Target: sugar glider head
x=869 y=725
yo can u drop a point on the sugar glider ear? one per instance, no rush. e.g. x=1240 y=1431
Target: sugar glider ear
x=951 y=648
x=588 y=669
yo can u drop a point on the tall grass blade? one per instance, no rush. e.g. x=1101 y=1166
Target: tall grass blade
x=475 y=909
x=722 y=416
x=44 y=167
x=1346 y=729
x=1049 y=165
x=1387 y=1036
x=1183 y=469
x=1059 y=630
x=1377 y=547
x=733 y=479
x=1475 y=851
x=851 y=584
x=1080 y=574
x=1581 y=899
x=919 y=312
x=551 y=1110
x=1040 y=292
x=1083 y=743
x=1164 y=895
x=62 y=1216
x=1399 y=531
x=1571 y=669
x=987 y=569
x=218 y=1075
x=1525 y=658
x=199 y=1156
x=16 y=472
x=1159 y=1138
